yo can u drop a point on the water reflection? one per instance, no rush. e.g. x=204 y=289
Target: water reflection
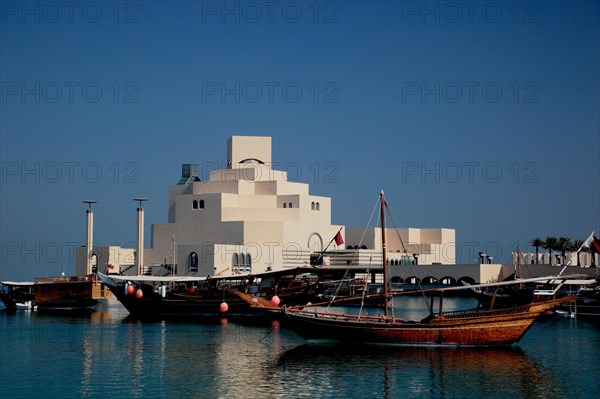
x=414 y=372
x=105 y=353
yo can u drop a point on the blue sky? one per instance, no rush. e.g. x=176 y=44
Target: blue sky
x=481 y=116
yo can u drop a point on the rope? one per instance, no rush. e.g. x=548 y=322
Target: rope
x=365 y=289
x=429 y=306
x=270 y=331
x=353 y=256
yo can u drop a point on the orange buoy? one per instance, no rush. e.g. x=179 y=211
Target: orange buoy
x=130 y=289
x=275 y=300
x=223 y=307
x=139 y=294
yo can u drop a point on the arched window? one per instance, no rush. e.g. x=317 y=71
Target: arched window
x=248 y=262
x=193 y=262
x=201 y=204
x=241 y=262
x=284 y=205
x=195 y=204
x=94 y=263
x=312 y=206
x=318 y=206
x=290 y=205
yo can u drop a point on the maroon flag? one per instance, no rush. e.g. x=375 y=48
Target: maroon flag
x=338 y=238
x=596 y=244
x=111 y=266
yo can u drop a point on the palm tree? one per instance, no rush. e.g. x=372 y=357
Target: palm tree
x=550 y=245
x=536 y=243
x=563 y=245
x=575 y=246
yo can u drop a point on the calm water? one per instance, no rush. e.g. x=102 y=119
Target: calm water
x=104 y=354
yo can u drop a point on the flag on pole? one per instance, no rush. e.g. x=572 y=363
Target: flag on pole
x=338 y=238
x=591 y=242
x=111 y=266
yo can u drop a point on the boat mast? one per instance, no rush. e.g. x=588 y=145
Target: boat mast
x=384 y=254
x=173 y=257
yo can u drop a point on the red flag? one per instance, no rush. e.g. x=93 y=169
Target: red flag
x=591 y=242
x=596 y=244
x=338 y=238
x=111 y=266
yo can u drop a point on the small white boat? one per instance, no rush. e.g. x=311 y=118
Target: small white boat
x=565 y=313
x=25 y=305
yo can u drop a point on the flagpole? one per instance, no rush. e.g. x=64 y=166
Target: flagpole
x=587 y=242
x=323 y=251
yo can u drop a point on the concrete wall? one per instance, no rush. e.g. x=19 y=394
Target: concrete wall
x=244 y=147
x=431 y=245
x=585 y=258
x=121 y=258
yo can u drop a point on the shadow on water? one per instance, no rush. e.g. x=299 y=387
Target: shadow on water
x=385 y=371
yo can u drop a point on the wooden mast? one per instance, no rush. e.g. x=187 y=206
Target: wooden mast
x=384 y=254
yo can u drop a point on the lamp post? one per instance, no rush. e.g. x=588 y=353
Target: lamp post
x=139 y=260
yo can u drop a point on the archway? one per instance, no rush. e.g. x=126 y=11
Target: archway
x=193 y=262
x=315 y=242
x=412 y=280
x=466 y=279
x=448 y=280
x=94 y=263
x=430 y=280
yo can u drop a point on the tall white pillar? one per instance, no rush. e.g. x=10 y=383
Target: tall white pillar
x=89 y=236
x=140 y=237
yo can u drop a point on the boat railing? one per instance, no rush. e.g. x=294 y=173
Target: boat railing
x=472 y=313
x=63 y=279
x=344 y=316
x=544 y=292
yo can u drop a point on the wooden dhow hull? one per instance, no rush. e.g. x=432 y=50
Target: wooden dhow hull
x=204 y=303
x=152 y=305
x=462 y=328
x=501 y=332
x=63 y=293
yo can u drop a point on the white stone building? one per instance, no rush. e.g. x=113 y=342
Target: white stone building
x=249 y=217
